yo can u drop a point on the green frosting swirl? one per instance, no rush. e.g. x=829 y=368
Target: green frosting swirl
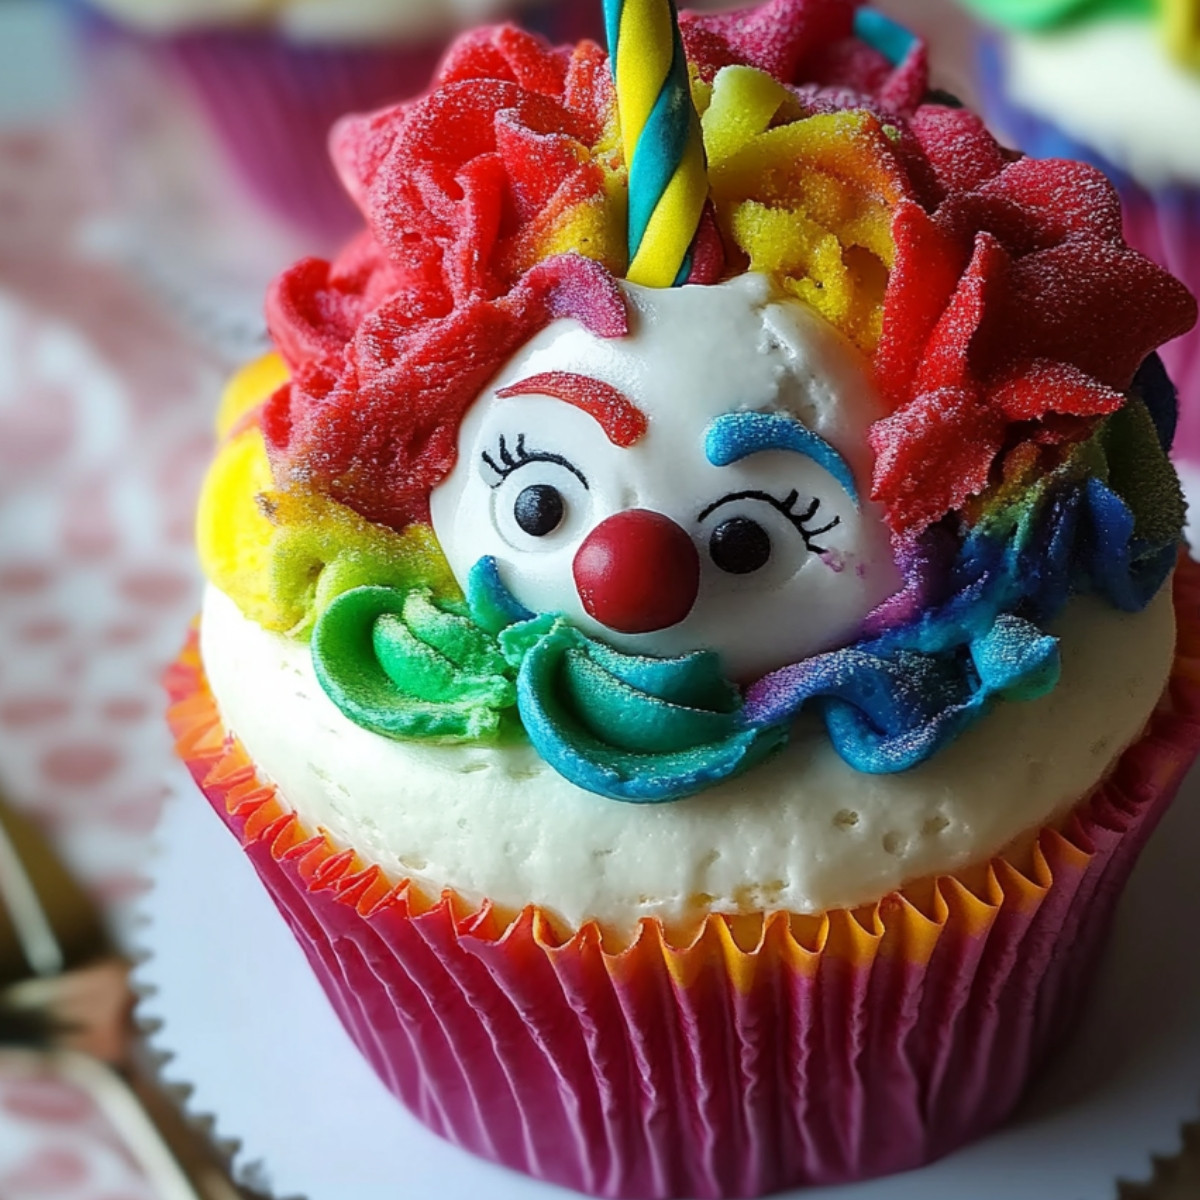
x=405 y=666
x=1033 y=15
x=408 y=665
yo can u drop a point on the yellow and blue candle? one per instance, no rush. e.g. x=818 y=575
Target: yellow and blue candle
x=891 y=39
x=660 y=131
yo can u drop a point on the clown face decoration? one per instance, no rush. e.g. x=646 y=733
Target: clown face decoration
x=525 y=479
x=699 y=484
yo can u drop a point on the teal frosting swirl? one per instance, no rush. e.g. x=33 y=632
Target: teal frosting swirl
x=626 y=726
x=629 y=727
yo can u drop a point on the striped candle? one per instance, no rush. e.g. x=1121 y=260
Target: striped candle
x=660 y=130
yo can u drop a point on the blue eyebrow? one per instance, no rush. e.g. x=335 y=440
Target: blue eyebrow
x=733 y=436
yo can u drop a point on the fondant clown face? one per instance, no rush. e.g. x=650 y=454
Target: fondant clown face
x=698 y=484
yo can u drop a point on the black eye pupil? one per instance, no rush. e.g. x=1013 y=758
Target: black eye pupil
x=739 y=546
x=539 y=509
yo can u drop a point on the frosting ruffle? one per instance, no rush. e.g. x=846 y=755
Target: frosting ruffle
x=625 y=726
x=890 y=711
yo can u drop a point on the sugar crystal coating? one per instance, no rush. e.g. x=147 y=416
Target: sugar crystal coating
x=1007 y=326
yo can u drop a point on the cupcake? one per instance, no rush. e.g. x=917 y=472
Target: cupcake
x=692 y=640
x=272 y=76
x=1117 y=86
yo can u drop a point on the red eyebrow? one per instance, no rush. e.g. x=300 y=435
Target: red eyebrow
x=618 y=416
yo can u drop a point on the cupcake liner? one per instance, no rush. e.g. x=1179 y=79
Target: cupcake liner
x=563 y=22
x=272 y=104
x=272 y=101
x=1163 y=223
x=1165 y=226
x=770 y=1052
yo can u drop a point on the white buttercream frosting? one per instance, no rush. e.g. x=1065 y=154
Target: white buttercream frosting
x=1111 y=85
x=314 y=20
x=774 y=355
x=802 y=832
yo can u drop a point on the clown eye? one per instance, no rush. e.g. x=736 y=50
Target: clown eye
x=740 y=546
x=539 y=509
x=749 y=536
x=540 y=500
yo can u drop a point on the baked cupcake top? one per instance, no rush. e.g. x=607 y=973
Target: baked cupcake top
x=900 y=408
x=312 y=20
x=1122 y=77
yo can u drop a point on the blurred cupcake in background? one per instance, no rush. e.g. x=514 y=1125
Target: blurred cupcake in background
x=272 y=76
x=1116 y=83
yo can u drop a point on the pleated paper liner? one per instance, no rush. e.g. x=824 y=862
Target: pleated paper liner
x=272 y=101
x=272 y=105
x=769 y=1052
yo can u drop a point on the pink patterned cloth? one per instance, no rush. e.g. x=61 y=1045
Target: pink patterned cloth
x=56 y=1145
x=1167 y=229
x=103 y=438
x=104 y=414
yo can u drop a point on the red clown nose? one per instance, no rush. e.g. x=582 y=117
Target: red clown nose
x=637 y=571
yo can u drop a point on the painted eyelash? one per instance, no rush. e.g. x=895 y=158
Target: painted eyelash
x=801 y=521
x=511 y=460
x=787 y=507
x=510 y=464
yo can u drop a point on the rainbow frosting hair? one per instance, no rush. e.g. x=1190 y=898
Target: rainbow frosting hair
x=1006 y=323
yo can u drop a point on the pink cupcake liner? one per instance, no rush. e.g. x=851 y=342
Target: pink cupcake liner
x=273 y=102
x=770 y=1052
x=1166 y=228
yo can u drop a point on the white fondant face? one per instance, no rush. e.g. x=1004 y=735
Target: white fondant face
x=536 y=475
